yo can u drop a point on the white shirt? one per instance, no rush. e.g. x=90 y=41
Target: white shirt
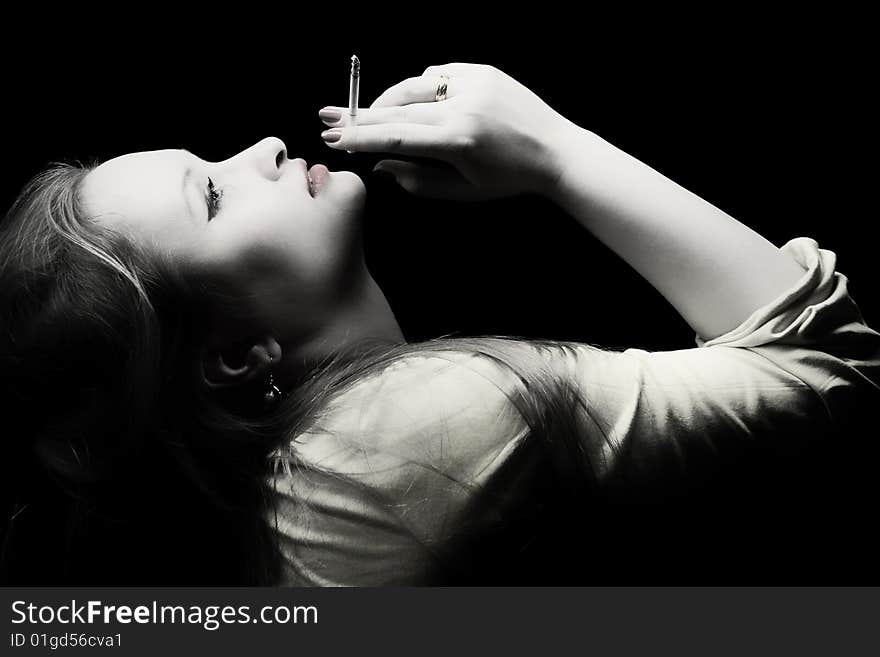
x=394 y=487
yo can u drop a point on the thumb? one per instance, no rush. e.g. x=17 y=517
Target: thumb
x=440 y=182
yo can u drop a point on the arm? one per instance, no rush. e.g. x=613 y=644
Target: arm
x=714 y=270
x=498 y=139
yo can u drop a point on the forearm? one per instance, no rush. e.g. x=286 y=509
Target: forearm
x=714 y=270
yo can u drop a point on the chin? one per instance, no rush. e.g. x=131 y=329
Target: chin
x=343 y=217
x=348 y=192
x=350 y=184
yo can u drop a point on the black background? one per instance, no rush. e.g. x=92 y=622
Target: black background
x=765 y=116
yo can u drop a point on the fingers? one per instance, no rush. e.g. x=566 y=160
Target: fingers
x=423 y=89
x=403 y=138
x=411 y=90
x=455 y=68
x=423 y=113
x=431 y=182
x=406 y=118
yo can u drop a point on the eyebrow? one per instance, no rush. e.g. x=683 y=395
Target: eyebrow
x=187 y=177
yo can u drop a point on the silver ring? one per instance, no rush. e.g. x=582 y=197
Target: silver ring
x=440 y=94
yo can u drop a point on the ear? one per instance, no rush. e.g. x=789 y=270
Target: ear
x=235 y=364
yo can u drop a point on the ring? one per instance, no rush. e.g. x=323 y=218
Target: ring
x=440 y=94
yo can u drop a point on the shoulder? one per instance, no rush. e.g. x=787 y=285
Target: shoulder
x=383 y=488
x=428 y=390
x=446 y=413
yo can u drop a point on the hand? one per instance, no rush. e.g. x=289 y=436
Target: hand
x=492 y=137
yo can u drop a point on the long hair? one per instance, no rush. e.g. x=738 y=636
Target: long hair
x=120 y=467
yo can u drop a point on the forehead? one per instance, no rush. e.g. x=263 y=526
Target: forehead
x=138 y=187
x=125 y=168
x=126 y=174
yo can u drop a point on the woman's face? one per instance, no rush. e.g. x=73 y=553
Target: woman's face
x=249 y=222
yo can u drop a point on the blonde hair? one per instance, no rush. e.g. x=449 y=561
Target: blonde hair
x=87 y=312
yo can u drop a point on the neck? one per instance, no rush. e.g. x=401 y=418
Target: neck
x=366 y=317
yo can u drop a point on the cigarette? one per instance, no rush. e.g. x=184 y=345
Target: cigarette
x=353 y=90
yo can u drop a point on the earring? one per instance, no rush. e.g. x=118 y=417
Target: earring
x=272 y=394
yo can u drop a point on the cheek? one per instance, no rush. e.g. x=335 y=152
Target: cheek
x=308 y=245
x=305 y=220
x=315 y=232
x=301 y=257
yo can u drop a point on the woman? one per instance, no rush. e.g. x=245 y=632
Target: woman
x=205 y=316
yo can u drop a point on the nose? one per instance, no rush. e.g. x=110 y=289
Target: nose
x=268 y=155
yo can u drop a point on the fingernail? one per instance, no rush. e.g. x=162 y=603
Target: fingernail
x=330 y=115
x=331 y=136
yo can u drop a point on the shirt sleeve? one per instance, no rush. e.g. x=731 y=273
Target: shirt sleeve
x=794 y=369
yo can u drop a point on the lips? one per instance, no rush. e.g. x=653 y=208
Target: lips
x=314 y=178
x=317 y=176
